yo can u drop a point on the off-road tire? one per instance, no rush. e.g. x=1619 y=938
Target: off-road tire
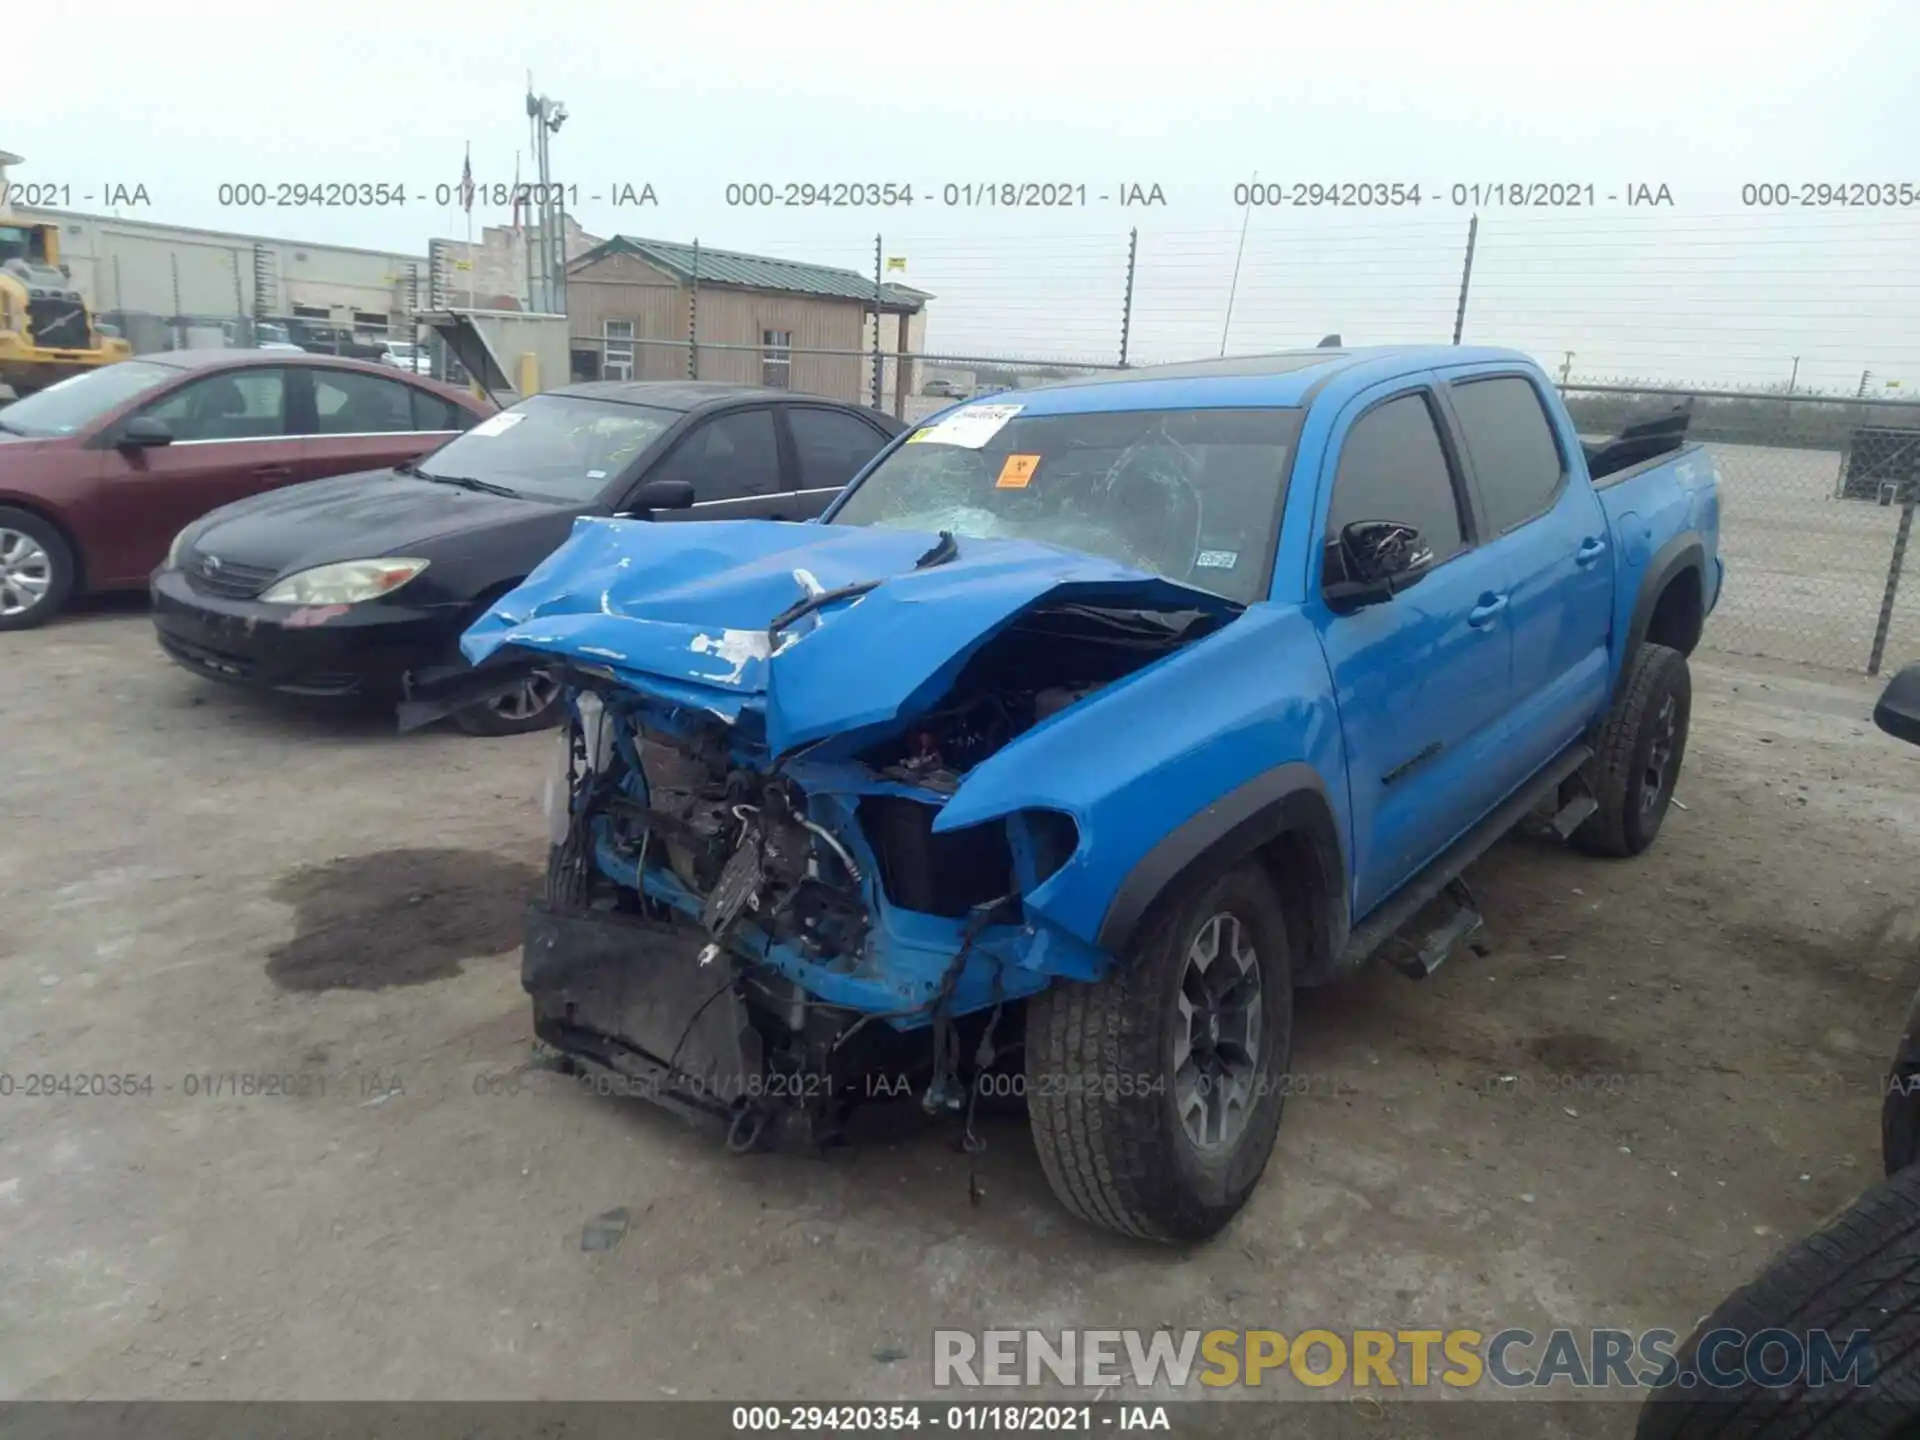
x=1625 y=824
x=63 y=570
x=1860 y=1272
x=1100 y=1081
x=569 y=883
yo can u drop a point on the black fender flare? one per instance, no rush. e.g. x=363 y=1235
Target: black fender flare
x=1900 y=1106
x=1685 y=551
x=1907 y=1056
x=1288 y=799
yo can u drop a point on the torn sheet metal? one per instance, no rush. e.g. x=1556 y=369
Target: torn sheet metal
x=681 y=611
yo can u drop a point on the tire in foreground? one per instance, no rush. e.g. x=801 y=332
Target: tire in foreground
x=1155 y=1094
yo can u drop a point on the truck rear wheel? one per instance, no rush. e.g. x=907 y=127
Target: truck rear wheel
x=36 y=570
x=1155 y=1094
x=1641 y=747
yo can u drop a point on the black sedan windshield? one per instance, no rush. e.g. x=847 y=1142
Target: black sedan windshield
x=76 y=402
x=1192 y=495
x=551 y=447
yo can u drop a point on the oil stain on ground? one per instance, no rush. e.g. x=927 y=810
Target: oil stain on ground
x=400 y=917
x=1572 y=1052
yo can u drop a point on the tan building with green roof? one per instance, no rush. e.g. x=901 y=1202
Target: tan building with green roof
x=660 y=310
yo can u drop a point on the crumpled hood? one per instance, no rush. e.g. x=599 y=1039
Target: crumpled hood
x=681 y=611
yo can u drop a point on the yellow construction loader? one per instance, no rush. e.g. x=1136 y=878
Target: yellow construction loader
x=46 y=330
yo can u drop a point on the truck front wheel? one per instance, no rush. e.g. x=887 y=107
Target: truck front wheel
x=1641 y=747
x=1155 y=1094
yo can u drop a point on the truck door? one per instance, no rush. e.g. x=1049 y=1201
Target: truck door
x=1545 y=528
x=1420 y=679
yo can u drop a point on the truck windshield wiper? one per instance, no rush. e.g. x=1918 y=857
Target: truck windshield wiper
x=940 y=554
x=10 y=429
x=811 y=603
x=947 y=549
x=465 y=482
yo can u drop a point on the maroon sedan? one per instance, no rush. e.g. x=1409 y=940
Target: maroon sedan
x=98 y=473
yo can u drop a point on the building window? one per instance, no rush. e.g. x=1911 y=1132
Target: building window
x=776 y=359
x=619 y=338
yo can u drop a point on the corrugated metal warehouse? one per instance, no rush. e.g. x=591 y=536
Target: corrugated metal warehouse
x=139 y=268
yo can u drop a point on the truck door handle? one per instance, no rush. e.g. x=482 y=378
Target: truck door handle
x=1590 y=550
x=1483 y=614
x=273 y=472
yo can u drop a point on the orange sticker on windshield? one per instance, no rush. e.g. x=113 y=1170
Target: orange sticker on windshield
x=1018 y=470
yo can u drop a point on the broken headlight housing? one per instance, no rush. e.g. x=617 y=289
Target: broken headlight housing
x=346 y=583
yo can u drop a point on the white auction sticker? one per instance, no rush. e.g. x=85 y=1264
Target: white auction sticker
x=498 y=424
x=970 y=428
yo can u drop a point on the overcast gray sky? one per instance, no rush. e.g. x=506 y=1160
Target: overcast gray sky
x=1697 y=95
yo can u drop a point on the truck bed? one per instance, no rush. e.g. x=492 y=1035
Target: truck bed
x=1675 y=497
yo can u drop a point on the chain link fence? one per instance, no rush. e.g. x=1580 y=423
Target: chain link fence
x=909 y=385
x=1817 y=491
x=1815 y=501
x=1817 y=487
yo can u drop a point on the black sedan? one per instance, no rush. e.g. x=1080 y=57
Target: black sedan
x=357 y=584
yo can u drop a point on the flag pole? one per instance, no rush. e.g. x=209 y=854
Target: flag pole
x=523 y=280
x=467 y=195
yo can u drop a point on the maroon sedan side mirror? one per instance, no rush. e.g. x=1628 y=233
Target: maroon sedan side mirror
x=142 y=432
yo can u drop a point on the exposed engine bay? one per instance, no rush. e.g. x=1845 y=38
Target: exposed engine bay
x=827 y=939
x=1035 y=668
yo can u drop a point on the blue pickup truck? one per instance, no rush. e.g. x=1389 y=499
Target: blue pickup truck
x=1087 y=724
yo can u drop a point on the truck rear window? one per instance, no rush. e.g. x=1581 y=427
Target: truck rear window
x=1514 y=453
x=1191 y=495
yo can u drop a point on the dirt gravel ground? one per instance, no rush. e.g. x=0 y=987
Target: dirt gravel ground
x=1659 y=1072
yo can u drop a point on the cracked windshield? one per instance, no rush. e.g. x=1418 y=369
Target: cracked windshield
x=552 y=447
x=1191 y=495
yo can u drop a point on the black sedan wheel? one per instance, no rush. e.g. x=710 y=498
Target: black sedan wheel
x=535 y=705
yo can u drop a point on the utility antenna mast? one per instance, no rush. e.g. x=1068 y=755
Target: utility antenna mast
x=547 y=266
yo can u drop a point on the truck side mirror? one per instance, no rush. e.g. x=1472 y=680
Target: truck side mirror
x=1374 y=560
x=1898 y=712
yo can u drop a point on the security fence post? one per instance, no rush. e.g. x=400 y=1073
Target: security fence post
x=1894 y=565
x=1466 y=277
x=877 y=376
x=693 y=318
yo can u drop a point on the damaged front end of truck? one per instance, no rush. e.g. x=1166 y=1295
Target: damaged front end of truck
x=760 y=902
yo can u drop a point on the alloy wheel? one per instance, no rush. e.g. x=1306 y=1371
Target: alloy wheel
x=1216 y=1040
x=1666 y=730
x=26 y=572
x=539 y=691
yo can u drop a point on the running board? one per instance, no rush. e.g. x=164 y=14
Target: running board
x=1442 y=874
x=1445 y=938
x=1576 y=808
